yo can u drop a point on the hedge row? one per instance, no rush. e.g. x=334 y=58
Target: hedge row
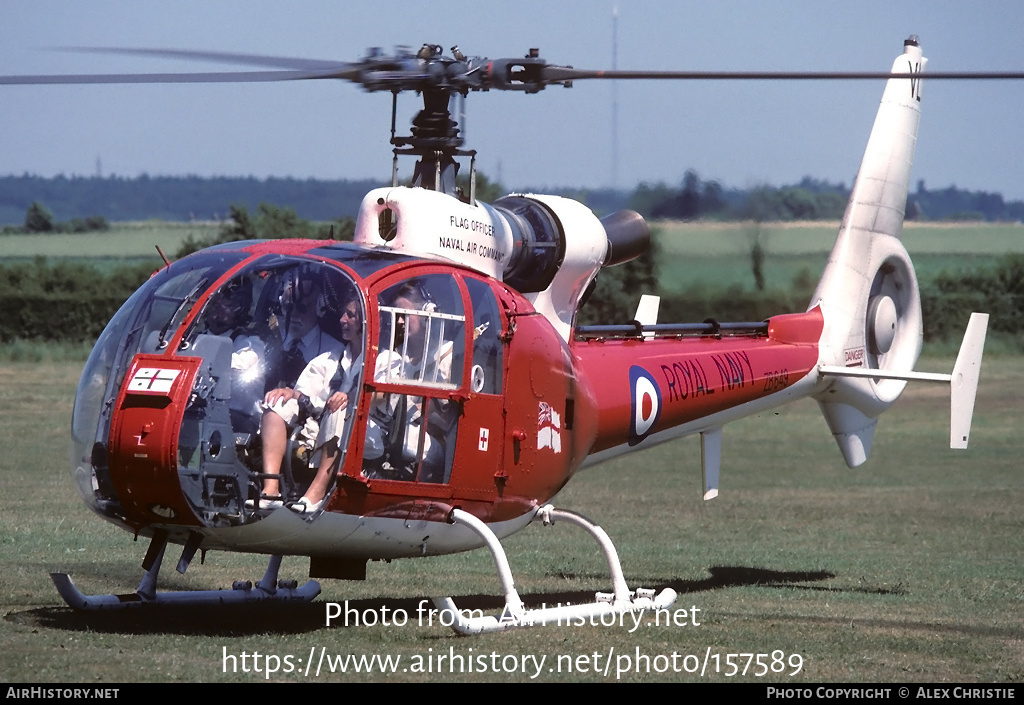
x=56 y=317
x=73 y=303
x=62 y=302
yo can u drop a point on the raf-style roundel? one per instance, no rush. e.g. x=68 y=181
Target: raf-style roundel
x=645 y=404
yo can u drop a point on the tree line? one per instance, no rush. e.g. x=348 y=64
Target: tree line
x=176 y=198
x=39 y=219
x=198 y=198
x=810 y=199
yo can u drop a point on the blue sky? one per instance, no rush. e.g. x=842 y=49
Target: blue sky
x=742 y=134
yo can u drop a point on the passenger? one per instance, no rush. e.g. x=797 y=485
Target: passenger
x=415 y=358
x=344 y=388
x=319 y=398
x=418 y=357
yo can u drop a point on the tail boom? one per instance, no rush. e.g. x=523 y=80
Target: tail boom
x=658 y=389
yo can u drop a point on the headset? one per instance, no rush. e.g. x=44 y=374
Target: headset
x=417 y=293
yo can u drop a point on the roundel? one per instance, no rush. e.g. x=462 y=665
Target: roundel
x=645 y=404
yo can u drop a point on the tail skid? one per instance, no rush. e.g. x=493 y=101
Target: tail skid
x=963 y=381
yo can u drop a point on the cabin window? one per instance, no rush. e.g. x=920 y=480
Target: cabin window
x=145 y=323
x=486 y=371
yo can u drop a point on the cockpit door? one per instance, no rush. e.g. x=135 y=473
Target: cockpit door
x=414 y=399
x=480 y=470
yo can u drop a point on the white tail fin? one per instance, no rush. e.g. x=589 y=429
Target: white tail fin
x=868 y=292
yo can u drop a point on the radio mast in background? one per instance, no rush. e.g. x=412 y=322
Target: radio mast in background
x=615 y=98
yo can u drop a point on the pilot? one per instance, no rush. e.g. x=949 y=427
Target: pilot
x=417 y=360
x=229 y=308
x=228 y=314
x=319 y=398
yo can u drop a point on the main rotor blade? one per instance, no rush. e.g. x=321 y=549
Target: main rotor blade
x=216 y=77
x=281 y=62
x=556 y=74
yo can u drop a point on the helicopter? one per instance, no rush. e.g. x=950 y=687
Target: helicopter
x=425 y=389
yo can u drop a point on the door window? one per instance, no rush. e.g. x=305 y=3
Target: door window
x=413 y=422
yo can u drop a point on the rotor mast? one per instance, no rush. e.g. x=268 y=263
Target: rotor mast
x=435 y=138
x=436 y=142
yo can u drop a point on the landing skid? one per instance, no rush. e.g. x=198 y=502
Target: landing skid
x=515 y=615
x=269 y=588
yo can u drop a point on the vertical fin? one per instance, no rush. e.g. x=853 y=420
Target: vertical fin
x=869 y=284
x=647 y=311
x=964 y=384
x=711 y=460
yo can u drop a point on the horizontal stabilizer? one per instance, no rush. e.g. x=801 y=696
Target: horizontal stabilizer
x=963 y=381
x=871 y=373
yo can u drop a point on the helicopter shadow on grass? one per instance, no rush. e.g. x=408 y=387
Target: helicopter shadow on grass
x=298 y=618
x=727 y=577
x=741 y=576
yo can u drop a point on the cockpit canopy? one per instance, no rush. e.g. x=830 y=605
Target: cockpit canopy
x=187 y=363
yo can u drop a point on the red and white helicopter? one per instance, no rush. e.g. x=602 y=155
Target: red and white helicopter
x=425 y=389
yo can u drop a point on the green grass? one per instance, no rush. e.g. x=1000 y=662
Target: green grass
x=794 y=238
x=40 y=351
x=908 y=569
x=136 y=240
x=718 y=254
x=677 y=274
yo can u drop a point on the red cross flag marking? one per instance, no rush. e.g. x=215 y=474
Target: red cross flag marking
x=153 y=379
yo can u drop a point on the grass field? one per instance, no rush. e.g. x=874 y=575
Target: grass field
x=806 y=237
x=124 y=241
x=718 y=254
x=909 y=569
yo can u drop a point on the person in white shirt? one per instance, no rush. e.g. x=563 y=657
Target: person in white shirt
x=321 y=395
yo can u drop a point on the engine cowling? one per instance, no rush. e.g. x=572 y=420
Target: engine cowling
x=548 y=248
